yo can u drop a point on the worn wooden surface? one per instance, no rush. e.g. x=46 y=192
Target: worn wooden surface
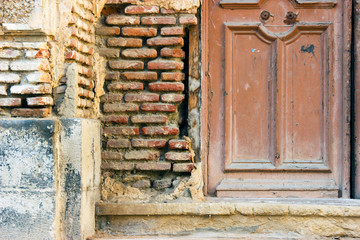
x=278 y=98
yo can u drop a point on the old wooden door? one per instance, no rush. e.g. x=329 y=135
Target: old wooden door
x=278 y=77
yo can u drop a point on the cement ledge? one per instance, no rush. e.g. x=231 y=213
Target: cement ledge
x=224 y=207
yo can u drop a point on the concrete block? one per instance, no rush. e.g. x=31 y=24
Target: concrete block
x=27 y=184
x=49 y=178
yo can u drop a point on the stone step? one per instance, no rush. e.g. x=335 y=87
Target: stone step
x=239 y=218
x=205 y=236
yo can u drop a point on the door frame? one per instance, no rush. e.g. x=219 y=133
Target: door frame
x=345 y=108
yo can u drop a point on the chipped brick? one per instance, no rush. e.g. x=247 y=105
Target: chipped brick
x=139 y=53
x=31 y=112
x=158 y=107
x=172 y=53
x=120 y=107
x=115 y=119
x=142 y=155
x=158 y=20
x=126 y=64
x=172 y=76
x=178 y=144
x=160 y=131
x=118 y=143
x=10 y=102
x=148 y=143
x=116 y=19
x=178 y=156
x=141 y=9
x=165 y=41
x=172 y=98
x=142 y=97
x=142 y=76
x=120 y=166
x=164 y=86
x=40 y=101
x=125 y=86
x=31 y=89
x=139 y=32
x=149 y=119
x=124 y=42
x=117 y=131
x=153 y=166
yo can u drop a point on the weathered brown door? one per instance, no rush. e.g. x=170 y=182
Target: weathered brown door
x=277 y=75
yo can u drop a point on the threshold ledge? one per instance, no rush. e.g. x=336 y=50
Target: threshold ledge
x=233 y=206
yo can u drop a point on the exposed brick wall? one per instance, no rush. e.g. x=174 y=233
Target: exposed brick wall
x=25 y=82
x=80 y=50
x=144 y=48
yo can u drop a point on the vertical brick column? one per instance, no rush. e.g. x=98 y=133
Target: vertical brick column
x=144 y=88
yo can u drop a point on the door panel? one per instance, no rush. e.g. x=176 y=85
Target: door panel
x=275 y=102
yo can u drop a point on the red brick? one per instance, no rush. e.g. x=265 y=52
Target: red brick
x=112 y=76
x=172 y=76
x=86 y=82
x=10 y=102
x=142 y=97
x=118 y=143
x=159 y=20
x=31 y=89
x=115 y=119
x=142 y=155
x=120 y=107
x=111 y=97
x=116 y=19
x=164 y=86
x=125 y=86
x=139 y=53
x=143 y=76
x=172 y=98
x=109 y=52
x=40 y=101
x=107 y=155
x=178 y=156
x=183 y=167
x=86 y=71
x=42 y=53
x=117 y=131
x=141 y=9
x=148 y=143
x=107 y=31
x=31 y=112
x=120 y=166
x=85 y=93
x=149 y=119
x=139 y=32
x=188 y=19
x=160 y=131
x=165 y=65
x=154 y=166
x=178 y=144
x=126 y=64
x=124 y=42
x=170 y=31
x=167 y=11
x=165 y=41
x=173 y=53
x=158 y=107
